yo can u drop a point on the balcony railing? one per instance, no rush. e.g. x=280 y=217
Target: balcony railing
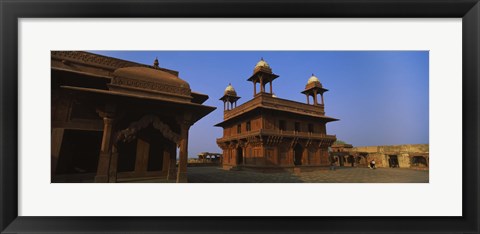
x=268 y=101
x=269 y=132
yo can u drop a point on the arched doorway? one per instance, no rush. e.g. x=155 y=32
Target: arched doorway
x=298 y=153
x=351 y=160
x=419 y=161
x=239 y=156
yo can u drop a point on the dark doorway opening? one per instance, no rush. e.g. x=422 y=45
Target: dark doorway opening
x=80 y=152
x=393 y=161
x=239 y=156
x=155 y=157
x=419 y=161
x=127 y=153
x=158 y=144
x=298 y=153
x=351 y=160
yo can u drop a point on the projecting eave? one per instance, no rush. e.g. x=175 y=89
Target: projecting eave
x=199 y=111
x=199 y=98
x=324 y=118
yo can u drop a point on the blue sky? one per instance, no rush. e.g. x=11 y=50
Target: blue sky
x=380 y=97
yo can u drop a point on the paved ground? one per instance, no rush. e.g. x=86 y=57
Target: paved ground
x=341 y=175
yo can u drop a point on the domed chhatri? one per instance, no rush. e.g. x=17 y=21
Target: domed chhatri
x=230 y=91
x=313 y=88
x=229 y=98
x=262 y=65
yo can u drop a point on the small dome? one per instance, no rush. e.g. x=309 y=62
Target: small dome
x=313 y=79
x=150 y=81
x=262 y=63
x=230 y=91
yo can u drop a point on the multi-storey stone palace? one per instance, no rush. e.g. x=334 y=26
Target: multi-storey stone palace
x=271 y=133
x=118 y=120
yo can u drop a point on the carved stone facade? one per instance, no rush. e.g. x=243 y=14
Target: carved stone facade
x=116 y=120
x=270 y=133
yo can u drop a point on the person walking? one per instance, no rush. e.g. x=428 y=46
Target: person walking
x=373 y=164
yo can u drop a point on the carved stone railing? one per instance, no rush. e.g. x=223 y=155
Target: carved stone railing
x=265 y=132
x=266 y=100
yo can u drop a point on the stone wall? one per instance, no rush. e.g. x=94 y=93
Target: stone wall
x=401 y=156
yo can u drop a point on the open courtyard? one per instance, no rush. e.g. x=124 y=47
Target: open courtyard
x=340 y=175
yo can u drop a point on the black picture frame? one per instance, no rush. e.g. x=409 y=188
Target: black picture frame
x=11 y=11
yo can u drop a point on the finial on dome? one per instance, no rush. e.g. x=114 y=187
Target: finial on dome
x=313 y=79
x=155 y=63
x=262 y=63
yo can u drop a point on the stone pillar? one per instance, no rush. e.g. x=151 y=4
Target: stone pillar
x=291 y=153
x=315 y=97
x=262 y=87
x=182 y=165
x=244 y=149
x=308 y=99
x=271 y=89
x=56 y=144
x=254 y=88
x=112 y=174
x=323 y=103
x=172 y=166
x=306 y=155
x=166 y=160
x=105 y=150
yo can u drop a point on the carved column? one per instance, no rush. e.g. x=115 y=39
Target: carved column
x=112 y=174
x=315 y=97
x=172 y=166
x=182 y=165
x=254 y=88
x=323 y=103
x=262 y=87
x=166 y=160
x=105 y=150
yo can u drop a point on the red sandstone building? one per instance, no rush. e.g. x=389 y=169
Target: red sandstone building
x=115 y=120
x=268 y=132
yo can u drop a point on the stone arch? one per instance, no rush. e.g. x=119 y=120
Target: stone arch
x=130 y=133
x=419 y=161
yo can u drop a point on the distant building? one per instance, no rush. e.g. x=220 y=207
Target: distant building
x=268 y=132
x=394 y=156
x=207 y=157
x=114 y=119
